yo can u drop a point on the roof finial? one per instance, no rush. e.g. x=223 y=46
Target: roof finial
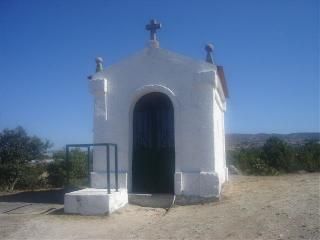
x=99 y=66
x=209 y=49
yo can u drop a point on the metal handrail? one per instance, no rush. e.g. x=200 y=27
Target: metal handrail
x=107 y=145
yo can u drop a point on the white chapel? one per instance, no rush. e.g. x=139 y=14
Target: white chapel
x=165 y=113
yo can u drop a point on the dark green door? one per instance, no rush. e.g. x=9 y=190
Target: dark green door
x=153 y=161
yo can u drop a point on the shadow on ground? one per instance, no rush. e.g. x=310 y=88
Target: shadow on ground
x=53 y=196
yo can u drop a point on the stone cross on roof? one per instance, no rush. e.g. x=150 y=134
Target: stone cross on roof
x=153 y=26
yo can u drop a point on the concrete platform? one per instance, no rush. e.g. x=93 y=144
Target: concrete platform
x=92 y=201
x=152 y=200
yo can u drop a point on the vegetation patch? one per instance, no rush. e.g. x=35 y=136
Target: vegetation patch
x=275 y=157
x=23 y=165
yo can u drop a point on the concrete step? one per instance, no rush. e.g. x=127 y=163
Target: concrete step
x=91 y=201
x=151 y=200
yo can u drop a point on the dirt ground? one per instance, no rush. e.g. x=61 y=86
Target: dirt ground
x=277 y=207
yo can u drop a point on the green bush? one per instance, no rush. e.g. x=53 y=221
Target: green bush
x=308 y=156
x=33 y=177
x=78 y=175
x=249 y=161
x=276 y=156
x=78 y=169
x=56 y=173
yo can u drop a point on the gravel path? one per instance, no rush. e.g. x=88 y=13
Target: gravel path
x=277 y=207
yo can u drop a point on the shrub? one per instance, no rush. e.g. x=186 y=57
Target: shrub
x=308 y=156
x=250 y=162
x=276 y=156
x=56 y=173
x=78 y=169
x=33 y=177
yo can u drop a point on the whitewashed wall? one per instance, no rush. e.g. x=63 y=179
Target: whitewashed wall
x=193 y=87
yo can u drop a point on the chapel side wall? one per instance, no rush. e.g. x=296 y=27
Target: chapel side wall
x=201 y=115
x=196 y=177
x=219 y=138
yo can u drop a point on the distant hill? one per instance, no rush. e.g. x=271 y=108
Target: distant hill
x=236 y=140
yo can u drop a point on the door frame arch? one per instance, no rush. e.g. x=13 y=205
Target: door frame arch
x=134 y=99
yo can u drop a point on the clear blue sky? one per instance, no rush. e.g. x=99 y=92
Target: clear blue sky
x=269 y=49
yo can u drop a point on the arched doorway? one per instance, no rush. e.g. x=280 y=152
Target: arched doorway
x=153 y=156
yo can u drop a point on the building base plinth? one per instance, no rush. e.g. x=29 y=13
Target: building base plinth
x=92 y=201
x=188 y=200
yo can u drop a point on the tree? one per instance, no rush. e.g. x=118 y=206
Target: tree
x=17 y=148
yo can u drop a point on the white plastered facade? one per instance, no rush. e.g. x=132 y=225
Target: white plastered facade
x=199 y=103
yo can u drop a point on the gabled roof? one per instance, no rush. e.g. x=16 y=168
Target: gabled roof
x=172 y=57
x=164 y=55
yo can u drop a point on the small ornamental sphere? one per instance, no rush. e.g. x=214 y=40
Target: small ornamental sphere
x=99 y=60
x=209 y=47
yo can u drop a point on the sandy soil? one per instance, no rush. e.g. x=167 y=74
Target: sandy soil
x=280 y=207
